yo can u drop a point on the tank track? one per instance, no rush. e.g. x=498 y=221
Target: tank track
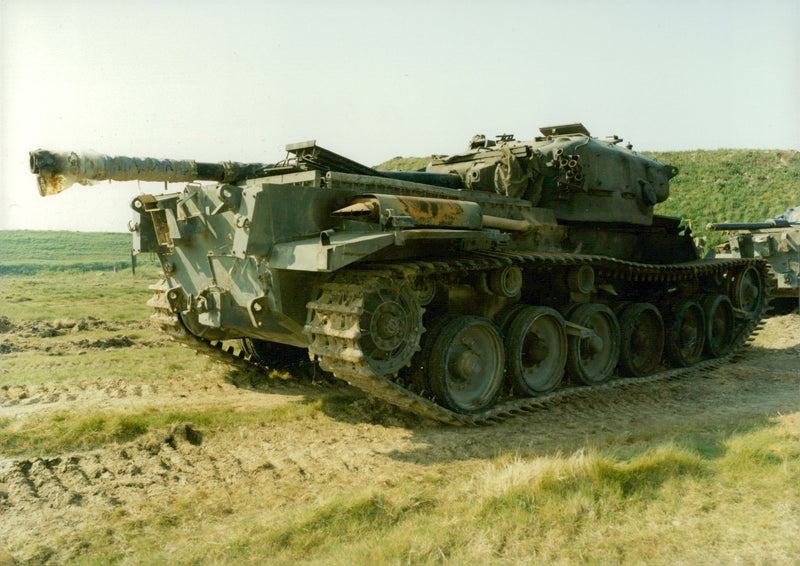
x=336 y=344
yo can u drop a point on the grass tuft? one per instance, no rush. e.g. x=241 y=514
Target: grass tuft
x=340 y=519
x=58 y=432
x=53 y=433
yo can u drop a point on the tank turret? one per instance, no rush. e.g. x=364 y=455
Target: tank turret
x=580 y=178
x=461 y=292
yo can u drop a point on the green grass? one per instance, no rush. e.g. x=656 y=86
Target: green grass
x=729 y=185
x=104 y=295
x=34 y=266
x=28 y=252
x=140 y=365
x=57 y=432
x=348 y=519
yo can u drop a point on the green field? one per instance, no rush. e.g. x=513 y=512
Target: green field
x=23 y=251
x=34 y=265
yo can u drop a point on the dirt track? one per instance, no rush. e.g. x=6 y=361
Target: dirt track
x=360 y=440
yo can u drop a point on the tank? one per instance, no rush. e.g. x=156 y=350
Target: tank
x=777 y=240
x=470 y=291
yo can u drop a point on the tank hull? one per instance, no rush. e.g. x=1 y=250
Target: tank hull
x=367 y=299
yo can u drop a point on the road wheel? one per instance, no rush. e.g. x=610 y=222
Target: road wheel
x=536 y=348
x=686 y=334
x=506 y=315
x=719 y=319
x=642 y=339
x=592 y=359
x=466 y=364
x=747 y=291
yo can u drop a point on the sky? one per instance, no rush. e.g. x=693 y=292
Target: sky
x=239 y=80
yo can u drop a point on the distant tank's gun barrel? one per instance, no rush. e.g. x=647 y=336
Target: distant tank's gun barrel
x=772 y=223
x=57 y=171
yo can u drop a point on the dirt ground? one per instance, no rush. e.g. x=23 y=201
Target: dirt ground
x=361 y=441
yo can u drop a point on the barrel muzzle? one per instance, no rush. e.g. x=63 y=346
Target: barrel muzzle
x=56 y=171
x=50 y=169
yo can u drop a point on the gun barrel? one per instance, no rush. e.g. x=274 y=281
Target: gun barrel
x=57 y=171
x=774 y=223
x=437 y=179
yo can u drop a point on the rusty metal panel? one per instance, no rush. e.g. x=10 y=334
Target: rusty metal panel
x=423 y=212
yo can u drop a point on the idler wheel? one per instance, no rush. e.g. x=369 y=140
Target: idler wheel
x=536 y=346
x=592 y=359
x=686 y=334
x=390 y=327
x=642 y=344
x=719 y=319
x=466 y=364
